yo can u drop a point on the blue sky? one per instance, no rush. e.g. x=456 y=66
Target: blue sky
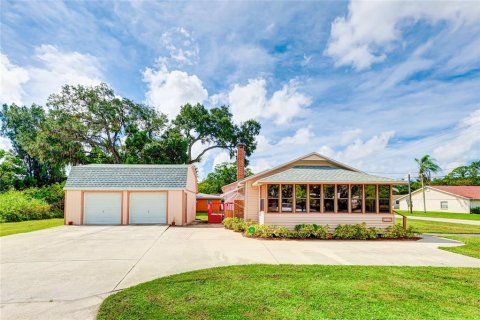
x=371 y=84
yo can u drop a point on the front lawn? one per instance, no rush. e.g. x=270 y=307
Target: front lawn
x=424 y=226
x=471 y=247
x=9 y=228
x=447 y=215
x=303 y=292
x=202 y=216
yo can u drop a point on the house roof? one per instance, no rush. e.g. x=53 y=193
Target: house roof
x=467 y=192
x=472 y=192
x=127 y=176
x=208 y=196
x=324 y=174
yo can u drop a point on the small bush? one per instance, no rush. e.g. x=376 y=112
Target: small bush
x=267 y=231
x=236 y=224
x=396 y=231
x=18 y=206
x=53 y=194
x=475 y=210
x=355 y=232
x=304 y=231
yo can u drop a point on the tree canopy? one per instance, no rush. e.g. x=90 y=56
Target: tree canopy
x=83 y=124
x=222 y=174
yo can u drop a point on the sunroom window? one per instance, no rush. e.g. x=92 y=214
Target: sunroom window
x=328 y=198
x=357 y=198
x=273 y=197
x=342 y=198
x=384 y=198
x=301 y=198
x=314 y=197
x=371 y=198
x=287 y=197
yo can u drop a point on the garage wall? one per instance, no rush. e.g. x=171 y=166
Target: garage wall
x=125 y=206
x=191 y=206
x=192 y=180
x=73 y=206
x=175 y=207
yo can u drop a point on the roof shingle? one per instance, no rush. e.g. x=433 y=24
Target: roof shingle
x=472 y=192
x=324 y=174
x=127 y=176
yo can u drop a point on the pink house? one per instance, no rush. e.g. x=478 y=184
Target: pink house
x=312 y=189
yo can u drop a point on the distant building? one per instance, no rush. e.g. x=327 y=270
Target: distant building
x=459 y=199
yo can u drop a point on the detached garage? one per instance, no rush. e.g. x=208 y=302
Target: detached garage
x=131 y=194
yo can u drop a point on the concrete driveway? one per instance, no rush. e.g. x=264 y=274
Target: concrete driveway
x=66 y=272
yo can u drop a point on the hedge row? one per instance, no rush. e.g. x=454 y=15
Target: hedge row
x=30 y=204
x=313 y=231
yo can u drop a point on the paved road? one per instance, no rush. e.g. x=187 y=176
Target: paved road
x=66 y=272
x=460 y=221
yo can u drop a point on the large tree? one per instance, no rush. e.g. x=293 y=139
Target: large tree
x=101 y=122
x=223 y=174
x=214 y=129
x=426 y=166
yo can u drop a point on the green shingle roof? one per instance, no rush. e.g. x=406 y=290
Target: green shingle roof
x=324 y=174
x=127 y=176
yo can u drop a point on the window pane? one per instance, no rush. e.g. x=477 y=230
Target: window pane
x=370 y=192
x=328 y=205
x=315 y=191
x=287 y=205
x=287 y=190
x=356 y=198
x=384 y=205
x=342 y=205
x=329 y=191
x=272 y=205
x=262 y=204
x=273 y=191
x=342 y=191
x=301 y=191
x=444 y=204
x=370 y=206
x=384 y=192
x=301 y=205
x=314 y=205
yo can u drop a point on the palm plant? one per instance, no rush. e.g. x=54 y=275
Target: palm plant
x=426 y=166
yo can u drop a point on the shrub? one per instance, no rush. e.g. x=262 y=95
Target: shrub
x=396 y=231
x=355 y=232
x=18 y=206
x=267 y=231
x=304 y=231
x=236 y=224
x=53 y=194
x=475 y=210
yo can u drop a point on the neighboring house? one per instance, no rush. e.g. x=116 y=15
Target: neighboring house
x=444 y=198
x=130 y=194
x=203 y=200
x=312 y=189
x=396 y=202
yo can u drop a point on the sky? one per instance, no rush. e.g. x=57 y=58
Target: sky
x=371 y=84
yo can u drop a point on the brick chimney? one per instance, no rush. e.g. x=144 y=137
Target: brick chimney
x=240 y=161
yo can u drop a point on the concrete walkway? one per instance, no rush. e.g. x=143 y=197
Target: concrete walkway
x=66 y=272
x=460 y=221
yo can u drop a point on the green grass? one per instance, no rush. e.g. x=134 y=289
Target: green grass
x=203 y=216
x=471 y=247
x=424 y=226
x=447 y=215
x=303 y=292
x=9 y=228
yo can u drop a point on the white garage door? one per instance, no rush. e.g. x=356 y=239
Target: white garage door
x=148 y=207
x=103 y=208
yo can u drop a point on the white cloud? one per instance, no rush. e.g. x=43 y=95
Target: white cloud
x=12 y=78
x=287 y=103
x=301 y=137
x=181 y=46
x=370 y=30
x=221 y=157
x=348 y=136
x=263 y=144
x=33 y=84
x=464 y=144
x=250 y=101
x=259 y=165
x=5 y=143
x=169 y=90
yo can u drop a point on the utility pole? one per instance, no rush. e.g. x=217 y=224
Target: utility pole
x=424 y=201
x=410 y=204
